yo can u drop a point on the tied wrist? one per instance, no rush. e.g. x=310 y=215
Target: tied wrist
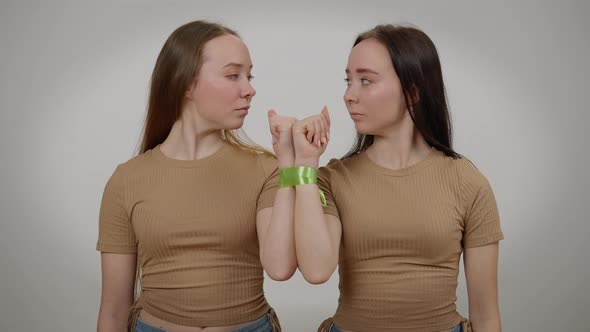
x=286 y=160
x=285 y=163
x=293 y=176
x=298 y=175
x=307 y=162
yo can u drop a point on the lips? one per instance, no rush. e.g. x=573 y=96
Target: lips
x=356 y=116
x=243 y=111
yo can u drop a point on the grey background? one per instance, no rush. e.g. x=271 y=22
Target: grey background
x=73 y=93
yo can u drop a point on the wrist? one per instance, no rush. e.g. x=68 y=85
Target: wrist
x=297 y=175
x=300 y=175
x=284 y=162
x=309 y=162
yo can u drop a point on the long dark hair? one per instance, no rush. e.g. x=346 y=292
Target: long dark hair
x=177 y=66
x=416 y=63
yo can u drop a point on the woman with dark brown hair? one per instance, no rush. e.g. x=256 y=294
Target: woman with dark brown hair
x=402 y=206
x=197 y=215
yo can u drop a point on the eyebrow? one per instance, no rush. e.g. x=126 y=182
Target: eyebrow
x=363 y=70
x=235 y=64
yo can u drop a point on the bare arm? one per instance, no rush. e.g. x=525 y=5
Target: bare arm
x=317 y=235
x=118 y=282
x=275 y=225
x=275 y=236
x=481 y=272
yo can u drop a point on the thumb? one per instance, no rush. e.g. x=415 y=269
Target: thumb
x=326 y=114
x=271 y=113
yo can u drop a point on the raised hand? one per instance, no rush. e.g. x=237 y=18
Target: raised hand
x=310 y=138
x=282 y=138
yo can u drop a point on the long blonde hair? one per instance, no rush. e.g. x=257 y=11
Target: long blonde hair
x=178 y=63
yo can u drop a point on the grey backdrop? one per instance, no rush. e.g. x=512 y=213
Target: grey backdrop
x=73 y=92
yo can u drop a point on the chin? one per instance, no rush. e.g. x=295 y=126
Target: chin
x=368 y=132
x=365 y=128
x=362 y=129
x=233 y=125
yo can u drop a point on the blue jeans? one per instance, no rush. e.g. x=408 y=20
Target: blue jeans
x=456 y=328
x=262 y=324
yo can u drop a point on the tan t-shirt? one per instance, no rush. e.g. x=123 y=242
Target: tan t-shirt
x=192 y=224
x=403 y=232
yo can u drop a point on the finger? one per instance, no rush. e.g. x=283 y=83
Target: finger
x=291 y=122
x=326 y=114
x=299 y=127
x=318 y=134
x=327 y=131
x=322 y=135
x=273 y=137
x=275 y=133
x=273 y=127
x=271 y=114
x=310 y=130
x=326 y=117
x=324 y=126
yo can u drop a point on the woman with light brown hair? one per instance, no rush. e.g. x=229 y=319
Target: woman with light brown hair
x=197 y=215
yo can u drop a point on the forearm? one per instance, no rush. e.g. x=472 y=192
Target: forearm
x=113 y=319
x=486 y=324
x=278 y=256
x=316 y=256
x=481 y=272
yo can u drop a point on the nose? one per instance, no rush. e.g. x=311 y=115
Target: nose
x=350 y=96
x=248 y=90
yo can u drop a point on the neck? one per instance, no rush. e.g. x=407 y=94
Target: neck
x=399 y=148
x=191 y=139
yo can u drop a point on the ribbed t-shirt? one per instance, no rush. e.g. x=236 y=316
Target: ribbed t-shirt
x=192 y=224
x=403 y=232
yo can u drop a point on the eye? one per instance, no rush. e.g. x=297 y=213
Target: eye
x=347 y=81
x=365 y=81
x=250 y=78
x=233 y=77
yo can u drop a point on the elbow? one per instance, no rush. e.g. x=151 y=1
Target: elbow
x=317 y=271
x=316 y=276
x=280 y=275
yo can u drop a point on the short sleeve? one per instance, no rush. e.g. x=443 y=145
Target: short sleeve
x=115 y=232
x=482 y=220
x=324 y=183
x=266 y=198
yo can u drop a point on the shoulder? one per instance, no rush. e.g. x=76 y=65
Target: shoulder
x=269 y=163
x=263 y=161
x=472 y=182
x=135 y=165
x=339 y=167
x=132 y=170
x=469 y=174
